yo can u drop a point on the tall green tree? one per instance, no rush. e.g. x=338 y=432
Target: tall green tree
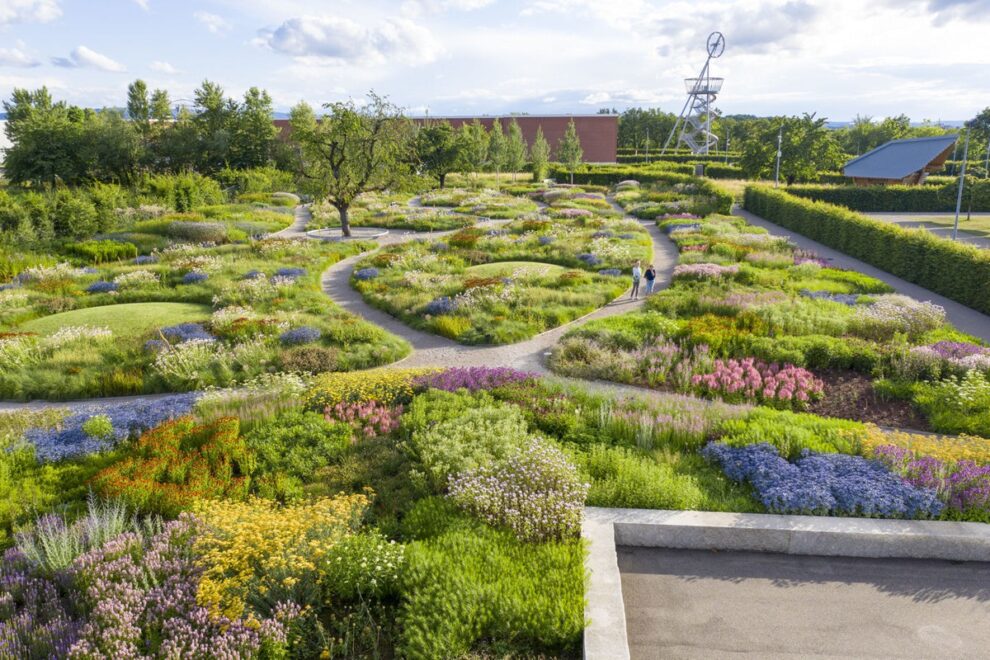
x=808 y=147
x=437 y=150
x=214 y=119
x=254 y=132
x=539 y=155
x=139 y=106
x=497 y=149
x=161 y=107
x=515 y=149
x=353 y=149
x=569 y=151
x=472 y=148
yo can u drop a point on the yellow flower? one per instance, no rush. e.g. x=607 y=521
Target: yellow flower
x=945 y=448
x=383 y=385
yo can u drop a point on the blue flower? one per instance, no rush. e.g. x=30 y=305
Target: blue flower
x=253 y=275
x=611 y=272
x=101 y=287
x=301 y=335
x=441 y=305
x=680 y=226
x=546 y=240
x=589 y=259
x=844 y=298
x=366 y=274
x=292 y=273
x=195 y=277
x=185 y=332
x=144 y=259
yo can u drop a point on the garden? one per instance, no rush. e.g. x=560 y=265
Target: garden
x=505 y=282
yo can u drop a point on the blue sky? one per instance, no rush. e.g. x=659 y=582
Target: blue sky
x=926 y=58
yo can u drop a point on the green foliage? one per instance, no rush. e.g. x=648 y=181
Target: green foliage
x=808 y=147
x=99 y=427
x=539 y=155
x=182 y=192
x=437 y=149
x=791 y=433
x=266 y=179
x=901 y=199
x=99 y=252
x=466 y=583
x=959 y=272
x=569 y=151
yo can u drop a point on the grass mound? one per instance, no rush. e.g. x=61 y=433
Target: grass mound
x=124 y=320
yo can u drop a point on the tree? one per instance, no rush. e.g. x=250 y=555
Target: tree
x=515 y=149
x=472 y=147
x=254 y=133
x=497 y=149
x=539 y=155
x=639 y=128
x=569 y=151
x=437 y=150
x=161 y=107
x=214 y=120
x=139 y=106
x=808 y=148
x=351 y=151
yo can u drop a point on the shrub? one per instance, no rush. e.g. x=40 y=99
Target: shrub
x=387 y=386
x=185 y=332
x=891 y=199
x=103 y=251
x=309 y=359
x=535 y=493
x=195 y=277
x=947 y=449
x=823 y=484
x=177 y=463
x=957 y=405
x=302 y=335
x=964 y=486
x=959 y=272
x=624 y=478
x=183 y=192
x=291 y=273
x=98 y=427
x=363 y=566
x=440 y=306
x=368 y=419
x=749 y=379
x=102 y=287
x=792 y=433
x=198 y=232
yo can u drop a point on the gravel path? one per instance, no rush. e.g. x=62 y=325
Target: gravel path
x=965 y=318
x=298 y=227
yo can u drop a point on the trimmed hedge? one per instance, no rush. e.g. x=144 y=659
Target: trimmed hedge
x=608 y=175
x=910 y=199
x=99 y=252
x=957 y=271
x=655 y=157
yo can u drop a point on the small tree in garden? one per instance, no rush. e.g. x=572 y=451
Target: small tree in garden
x=351 y=150
x=569 y=150
x=438 y=150
x=473 y=147
x=808 y=147
x=515 y=149
x=539 y=155
x=497 y=149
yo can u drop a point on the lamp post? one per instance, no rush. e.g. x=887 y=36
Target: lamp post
x=986 y=165
x=728 y=137
x=962 y=182
x=780 y=142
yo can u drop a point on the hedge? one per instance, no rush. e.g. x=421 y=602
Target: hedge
x=608 y=175
x=99 y=252
x=654 y=157
x=957 y=271
x=909 y=199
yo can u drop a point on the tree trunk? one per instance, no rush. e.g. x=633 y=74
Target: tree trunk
x=572 y=177
x=345 y=223
x=443 y=178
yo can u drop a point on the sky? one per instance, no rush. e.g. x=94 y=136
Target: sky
x=928 y=59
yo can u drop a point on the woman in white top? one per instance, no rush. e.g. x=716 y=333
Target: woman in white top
x=637 y=273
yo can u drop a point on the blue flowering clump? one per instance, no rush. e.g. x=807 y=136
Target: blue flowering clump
x=627 y=236
x=292 y=273
x=129 y=420
x=603 y=234
x=101 y=287
x=195 y=277
x=680 y=226
x=439 y=246
x=145 y=259
x=844 y=298
x=441 y=305
x=611 y=272
x=302 y=335
x=546 y=240
x=366 y=274
x=253 y=275
x=823 y=484
x=589 y=259
x=185 y=332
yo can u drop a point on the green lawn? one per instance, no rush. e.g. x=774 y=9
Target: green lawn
x=124 y=320
x=507 y=268
x=978 y=225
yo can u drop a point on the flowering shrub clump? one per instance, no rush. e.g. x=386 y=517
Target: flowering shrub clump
x=129 y=419
x=589 y=259
x=755 y=380
x=253 y=274
x=536 y=493
x=672 y=227
x=473 y=379
x=369 y=419
x=892 y=313
x=610 y=272
x=957 y=350
x=195 y=277
x=136 y=278
x=366 y=274
x=704 y=271
x=290 y=273
x=844 y=298
x=947 y=449
x=303 y=335
x=809 y=257
x=573 y=213
x=102 y=287
x=363 y=565
x=387 y=386
x=823 y=484
x=440 y=306
x=258 y=546
x=963 y=485
x=185 y=332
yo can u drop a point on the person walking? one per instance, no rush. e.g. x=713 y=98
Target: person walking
x=650 y=275
x=637 y=273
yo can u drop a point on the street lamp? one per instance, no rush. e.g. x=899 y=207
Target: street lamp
x=962 y=182
x=780 y=142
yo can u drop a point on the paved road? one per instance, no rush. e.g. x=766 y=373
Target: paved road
x=963 y=317
x=702 y=604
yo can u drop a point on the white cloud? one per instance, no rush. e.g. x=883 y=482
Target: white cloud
x=945 y=11
x=212 y=22
x=417 y=7
x=29 y=11
x=143 y=4
x=16 y=57
x=163 y=67
x=337 y=40
x=83 y=57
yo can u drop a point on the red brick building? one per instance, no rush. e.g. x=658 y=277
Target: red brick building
x=599 y=134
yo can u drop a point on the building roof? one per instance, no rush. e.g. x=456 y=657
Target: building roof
x=900 y=158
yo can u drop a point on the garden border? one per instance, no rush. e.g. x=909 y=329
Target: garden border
x=605 y=529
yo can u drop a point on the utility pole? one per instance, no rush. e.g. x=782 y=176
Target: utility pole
x=962 y=181
x=647 y=146
x=780 y=142
x=727 y=136
x=986 y=165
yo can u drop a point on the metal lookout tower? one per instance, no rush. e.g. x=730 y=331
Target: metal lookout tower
x=695 y=120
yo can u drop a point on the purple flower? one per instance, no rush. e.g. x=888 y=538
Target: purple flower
x=301 y=335
x=253 y=275
x=546 y=240
x=610 y=272
x=144 y=259
x=366 y=274
x=291 y=273
x=589 y=259
x=473 y=378
x=194 y=277
x=440 y=306
x=101 y=287
x=185 y=332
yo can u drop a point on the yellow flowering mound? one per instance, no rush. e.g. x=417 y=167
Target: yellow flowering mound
x=387 y=386
x=259 y=547
x=945 y=448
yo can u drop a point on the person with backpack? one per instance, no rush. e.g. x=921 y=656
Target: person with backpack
x=637 y=273
x=651 y=277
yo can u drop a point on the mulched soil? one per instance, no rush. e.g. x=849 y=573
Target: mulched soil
x=851 y=396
